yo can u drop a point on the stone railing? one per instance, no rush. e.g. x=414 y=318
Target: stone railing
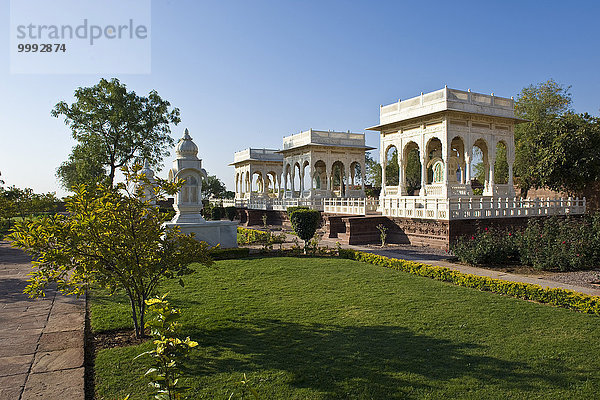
x=345 y=206
x=415 y=207
x=459 y=189
x=505 y=207
x=283 y=204
x=391 y=190
x=434 y=190
x=479 y=207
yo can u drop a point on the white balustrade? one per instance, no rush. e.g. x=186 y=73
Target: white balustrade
x=473 y=207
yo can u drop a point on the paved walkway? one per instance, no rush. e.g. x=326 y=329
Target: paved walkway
x=41 y=341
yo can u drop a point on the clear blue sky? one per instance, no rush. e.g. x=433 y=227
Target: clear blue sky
x=247 y=73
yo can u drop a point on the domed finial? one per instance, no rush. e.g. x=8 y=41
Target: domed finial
x=146 y=170
x=186 y=148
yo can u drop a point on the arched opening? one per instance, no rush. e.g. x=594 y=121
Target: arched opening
x=272 y=188
x=356 y=180
x=297 y=177
x=320 y=176
x=412 y=169
x=247 y=182
x=456 y=161
x=392 y=169
x=501 y=164
x=435 y=163
x=305 y=177
x=480 y=167
x=337 y=179
x=287 y=178
x=257 y=183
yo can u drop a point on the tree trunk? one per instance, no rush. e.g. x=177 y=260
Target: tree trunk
x=111 y=176
x=134 y=316
x=142 y=316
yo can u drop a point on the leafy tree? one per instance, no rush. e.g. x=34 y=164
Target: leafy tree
x=83 y=166
x=541 y=104
x=213 y=187
x=112 y=237
x=114 y=128
x=372 y=171
x=23 y=203
x=570 y=161
x=557 y=148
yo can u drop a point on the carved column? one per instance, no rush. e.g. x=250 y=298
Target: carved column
x=423 y=192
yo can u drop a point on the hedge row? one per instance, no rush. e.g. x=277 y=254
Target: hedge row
x=557 y=297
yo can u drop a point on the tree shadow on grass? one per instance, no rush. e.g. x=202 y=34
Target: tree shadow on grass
x=367 y=361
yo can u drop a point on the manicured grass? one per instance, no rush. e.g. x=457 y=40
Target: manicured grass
x=338 y=329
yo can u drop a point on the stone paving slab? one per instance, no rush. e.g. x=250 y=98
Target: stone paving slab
x=53 y=341
x=41 y=340
x=66 y=384
x=15 y=365
x=12 y=386
x=46 y=361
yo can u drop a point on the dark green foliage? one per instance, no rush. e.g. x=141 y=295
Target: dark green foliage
x=305 y=223
x=556 y=148
x=413 y=171
x=488 y=247
x=562 y=244
x=231 y=213
x=216 y=213
x=554 y=244
x=391 y=167
x=291 y=210
x=227 y=254
x=213 y=187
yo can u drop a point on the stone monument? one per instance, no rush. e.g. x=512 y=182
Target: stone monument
x=188 y=201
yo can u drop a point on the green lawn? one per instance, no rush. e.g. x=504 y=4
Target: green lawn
x=340 y=329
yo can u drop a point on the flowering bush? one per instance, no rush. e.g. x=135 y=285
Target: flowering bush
x=489 y=246
x=563 y=244
x=556 y=243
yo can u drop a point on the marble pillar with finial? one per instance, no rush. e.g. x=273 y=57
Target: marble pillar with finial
x=188 y=201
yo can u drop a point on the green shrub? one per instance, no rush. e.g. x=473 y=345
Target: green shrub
x=557 y=297
x=231 y=213
x=250 y=236
x=305 y=223
x=489 y=246
x=228 y=254
x=216 y=213
x=291 y=210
